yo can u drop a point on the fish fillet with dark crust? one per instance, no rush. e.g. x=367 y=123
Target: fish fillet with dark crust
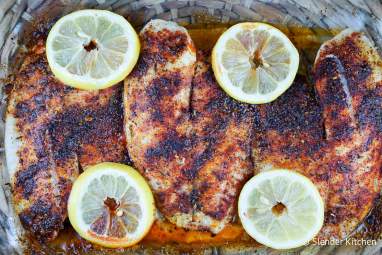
x=52 y=132
x=348 y=81
x=335 y=140
x=184 y=134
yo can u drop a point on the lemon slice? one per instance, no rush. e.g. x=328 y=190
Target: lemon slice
x=281 y=209
x=92 y=49
x=111 y=205
x=254 y=62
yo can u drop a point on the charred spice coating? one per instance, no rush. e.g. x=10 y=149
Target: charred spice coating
x=61 y=131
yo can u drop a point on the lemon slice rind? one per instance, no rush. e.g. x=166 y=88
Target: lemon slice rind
x=130 y=55
x=221 y=73
x=268 y=202
x=135 y=181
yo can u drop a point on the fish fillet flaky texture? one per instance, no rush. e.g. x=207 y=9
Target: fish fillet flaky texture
x=187 y=138
x=52 y=132
x=348 y=81
x=196 y=146
x=335 y=140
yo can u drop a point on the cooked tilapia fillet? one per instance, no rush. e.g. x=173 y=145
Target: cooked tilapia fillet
x=348 y=81
x=288 y=134
x=183 y=133
x=336 y=141
x=221 y=156
x=52 y=131
x=156 y=106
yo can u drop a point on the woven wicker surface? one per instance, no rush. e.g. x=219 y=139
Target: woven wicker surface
x=365 y=15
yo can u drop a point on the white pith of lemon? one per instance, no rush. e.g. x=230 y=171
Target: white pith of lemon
x=92 y=49
x=111 y=205
x=281 y=209
x=254 y=62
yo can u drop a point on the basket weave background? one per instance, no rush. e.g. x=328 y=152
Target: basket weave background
x=365 y=15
